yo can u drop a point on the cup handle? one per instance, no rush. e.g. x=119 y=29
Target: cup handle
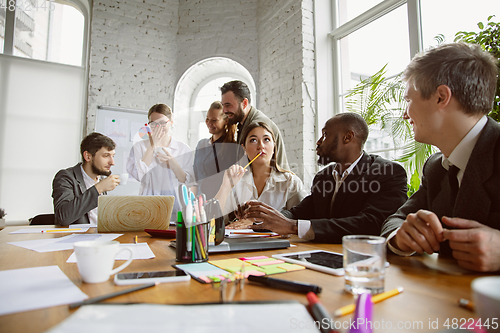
x=122 y=266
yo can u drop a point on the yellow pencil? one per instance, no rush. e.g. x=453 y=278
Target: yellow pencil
x=252 y=160
x=465 y=303
x=61 y=230
x=375 y=299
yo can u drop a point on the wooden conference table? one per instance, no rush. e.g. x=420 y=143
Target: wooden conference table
x=429 y=294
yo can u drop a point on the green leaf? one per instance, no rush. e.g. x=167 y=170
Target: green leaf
x=480 y=25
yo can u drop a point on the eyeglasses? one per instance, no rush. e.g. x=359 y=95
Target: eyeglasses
x=227 y=293
x=157 y=124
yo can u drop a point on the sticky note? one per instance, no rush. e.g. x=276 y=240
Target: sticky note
x=291 y=267
x=272 y=269
x=254 y=258
x=268 y=261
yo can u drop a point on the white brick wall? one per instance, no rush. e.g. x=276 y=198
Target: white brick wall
x=140 y=49
x=212 y=28
x=287 y=81
x=133 y=54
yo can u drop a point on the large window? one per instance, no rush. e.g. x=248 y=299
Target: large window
x=43 y=30
x=369 y=34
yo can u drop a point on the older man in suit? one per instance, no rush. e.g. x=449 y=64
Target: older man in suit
x=75 y=190
x=354 y=195
x=456 y=211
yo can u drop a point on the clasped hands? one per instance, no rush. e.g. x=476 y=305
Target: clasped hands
x=269 y=217
x=474 y=245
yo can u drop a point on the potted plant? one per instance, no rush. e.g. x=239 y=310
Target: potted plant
x=2 y=217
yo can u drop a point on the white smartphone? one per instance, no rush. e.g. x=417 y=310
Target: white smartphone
x=150 y=277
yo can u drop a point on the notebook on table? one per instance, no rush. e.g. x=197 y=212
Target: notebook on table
x=246 y=244
x=134 y=212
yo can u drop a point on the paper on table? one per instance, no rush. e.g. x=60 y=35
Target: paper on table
x=84 y=225
x=63 y=243
x=241 y=318
x=59 y=230
x=36 y=288
x=139 y=251
x=229 y=233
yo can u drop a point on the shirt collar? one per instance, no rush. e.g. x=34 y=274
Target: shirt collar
x=461 y=154
x=86 y=178
x=349 y=169
x=274 y=177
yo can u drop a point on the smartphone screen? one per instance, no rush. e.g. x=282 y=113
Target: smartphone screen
x=150 y=275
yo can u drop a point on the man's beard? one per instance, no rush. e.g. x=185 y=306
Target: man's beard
x=237 y=117
x=99 y=172
x=324 y=160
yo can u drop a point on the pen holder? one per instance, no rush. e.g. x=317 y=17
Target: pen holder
x=192 y=242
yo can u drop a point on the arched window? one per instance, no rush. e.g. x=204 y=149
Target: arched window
x=198 y=87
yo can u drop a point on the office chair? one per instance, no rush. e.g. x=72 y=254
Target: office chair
x=42 y=219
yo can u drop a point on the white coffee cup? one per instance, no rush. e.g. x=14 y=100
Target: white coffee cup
x=123 y=178
x=95 y=259
x=486 y=295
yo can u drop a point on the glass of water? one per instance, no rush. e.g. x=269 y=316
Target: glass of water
x=364 y=264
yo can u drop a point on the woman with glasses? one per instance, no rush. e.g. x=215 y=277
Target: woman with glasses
x=161 y=162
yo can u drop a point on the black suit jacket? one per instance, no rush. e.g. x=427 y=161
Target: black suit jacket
x=72 y=200
x=478 y=197
x=375 y=189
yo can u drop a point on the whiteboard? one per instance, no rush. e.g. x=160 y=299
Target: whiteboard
x=122 y=125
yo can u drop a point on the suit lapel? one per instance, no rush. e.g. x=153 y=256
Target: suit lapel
x=77 y=171
x=346 y=188
x=473 y=201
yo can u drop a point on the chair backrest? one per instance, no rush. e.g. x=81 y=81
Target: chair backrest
x=43 y=219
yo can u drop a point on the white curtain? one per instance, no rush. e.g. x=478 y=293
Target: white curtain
x=41 y=124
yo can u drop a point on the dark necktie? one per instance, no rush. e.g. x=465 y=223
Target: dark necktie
x=452 y=178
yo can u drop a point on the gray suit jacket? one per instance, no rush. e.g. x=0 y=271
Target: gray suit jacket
x=478 y=197
x=72 y=200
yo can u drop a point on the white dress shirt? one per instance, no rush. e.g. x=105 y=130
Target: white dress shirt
x=305 y=231
x=282 y=190
x=89 y=182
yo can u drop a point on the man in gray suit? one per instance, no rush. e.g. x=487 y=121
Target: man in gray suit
x=456 y=211
x=75 y=190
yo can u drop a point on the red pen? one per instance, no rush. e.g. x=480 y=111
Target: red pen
x=320 y=314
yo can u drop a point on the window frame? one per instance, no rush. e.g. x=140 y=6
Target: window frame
x=82 y=6
x=374 y=13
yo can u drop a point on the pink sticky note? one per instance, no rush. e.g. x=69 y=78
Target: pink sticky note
x=253 y=258
x=270 y=262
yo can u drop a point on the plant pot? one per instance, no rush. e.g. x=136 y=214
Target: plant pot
x=2 y=223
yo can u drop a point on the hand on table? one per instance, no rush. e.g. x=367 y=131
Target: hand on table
x=240 y=224
x=421 y=232
x=475 y=245
x=271 y=218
